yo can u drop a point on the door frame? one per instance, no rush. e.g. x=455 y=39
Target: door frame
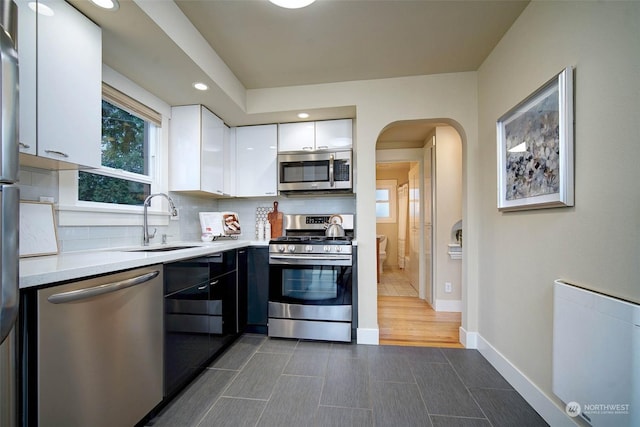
x=417 y=155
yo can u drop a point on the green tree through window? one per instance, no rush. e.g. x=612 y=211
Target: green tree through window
x=124 y=147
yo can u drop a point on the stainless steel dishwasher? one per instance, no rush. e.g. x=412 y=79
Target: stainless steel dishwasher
x=100 y=352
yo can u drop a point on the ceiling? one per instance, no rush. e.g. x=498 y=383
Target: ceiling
x=265 y=46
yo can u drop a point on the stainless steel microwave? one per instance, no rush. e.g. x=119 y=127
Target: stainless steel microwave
x=319 y=171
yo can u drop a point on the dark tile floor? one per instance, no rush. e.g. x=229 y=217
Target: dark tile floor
x=273 y=382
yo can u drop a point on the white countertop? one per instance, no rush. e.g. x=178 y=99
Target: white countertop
x=44 y=270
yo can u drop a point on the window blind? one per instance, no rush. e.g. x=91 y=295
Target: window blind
x=118 y=98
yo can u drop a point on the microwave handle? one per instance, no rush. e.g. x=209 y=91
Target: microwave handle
x=331 y=158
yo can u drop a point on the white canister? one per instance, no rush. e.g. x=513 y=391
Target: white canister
x=260 y=233
x=267 y=230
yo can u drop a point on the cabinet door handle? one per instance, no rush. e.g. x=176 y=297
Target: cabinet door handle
x=307 y=148
x=322 y=147
x=215 y=282
x=59 y=153
x=200 y=288
x=23 y=145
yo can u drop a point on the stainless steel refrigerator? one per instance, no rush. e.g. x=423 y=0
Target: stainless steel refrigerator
x=9 y=206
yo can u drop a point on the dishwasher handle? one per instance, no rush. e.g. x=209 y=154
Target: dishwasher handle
x=80 y=294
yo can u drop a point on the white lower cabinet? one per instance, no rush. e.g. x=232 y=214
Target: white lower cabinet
x=256 y=161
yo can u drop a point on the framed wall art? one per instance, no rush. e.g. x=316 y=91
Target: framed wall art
x=535 y=148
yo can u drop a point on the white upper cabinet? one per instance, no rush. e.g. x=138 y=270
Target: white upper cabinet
x=196 y=150
x=229 y=143
x=296 y=136
x=334 y=134
x=27 y=75
x=256 y=161
x=310 y=136
x=69 y=86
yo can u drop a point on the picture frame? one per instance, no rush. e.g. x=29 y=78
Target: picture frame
x=535 y=148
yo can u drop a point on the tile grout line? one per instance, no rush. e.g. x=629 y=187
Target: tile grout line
x=468 y=390
x=228 y=384
x=277 y=381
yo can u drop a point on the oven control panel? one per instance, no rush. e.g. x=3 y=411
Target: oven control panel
x=284 y=248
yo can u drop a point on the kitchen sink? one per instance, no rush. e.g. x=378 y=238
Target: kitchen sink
x=160 y=248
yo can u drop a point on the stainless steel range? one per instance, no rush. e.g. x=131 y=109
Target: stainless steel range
x=311 y=280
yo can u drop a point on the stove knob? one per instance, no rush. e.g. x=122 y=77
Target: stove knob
x=281 y=248
x=292 y=248
x=327 y=248
x=308 y=248
x=338 y=249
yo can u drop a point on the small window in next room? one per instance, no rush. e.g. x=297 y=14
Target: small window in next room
x=386 y=206
x=129 y=140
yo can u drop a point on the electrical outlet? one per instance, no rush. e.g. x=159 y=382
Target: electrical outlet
x=447 y=287
x=176 y=217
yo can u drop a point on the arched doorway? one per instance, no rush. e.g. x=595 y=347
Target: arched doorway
x=419 y=283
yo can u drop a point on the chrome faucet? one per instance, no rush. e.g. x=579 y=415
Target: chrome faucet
x=146 y=236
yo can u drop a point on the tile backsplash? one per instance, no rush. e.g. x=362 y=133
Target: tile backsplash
x=35 y=183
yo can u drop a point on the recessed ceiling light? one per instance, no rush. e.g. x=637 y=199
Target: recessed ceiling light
x=112 y=5
x=40 y=9
x=292 y=4
x=200 y=86
x=303 y=115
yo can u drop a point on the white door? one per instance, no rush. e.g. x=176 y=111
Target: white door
x=413 y=267
x=428 y=197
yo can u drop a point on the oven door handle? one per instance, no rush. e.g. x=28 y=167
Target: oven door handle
x=344 y=260
x=311 y=257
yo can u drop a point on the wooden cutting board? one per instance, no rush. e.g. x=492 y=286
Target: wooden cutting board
x=275 y=219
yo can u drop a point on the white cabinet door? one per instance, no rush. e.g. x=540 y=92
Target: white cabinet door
x=196 y=150
x=69 y=82
x=27 y=74
x=332 y=134
x=256 y=161
x=184 y=148
x=212 y=160
x=229 y=144
x=296 y=136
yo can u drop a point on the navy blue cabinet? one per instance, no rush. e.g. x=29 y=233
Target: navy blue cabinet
x=201 y=315
x=257 y=289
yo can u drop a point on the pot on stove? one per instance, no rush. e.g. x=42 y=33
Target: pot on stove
x=334 y=228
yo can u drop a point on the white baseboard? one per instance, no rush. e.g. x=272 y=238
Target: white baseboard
x=453 y=305
x=543 y=404
x=468 y=339
x=368 y=336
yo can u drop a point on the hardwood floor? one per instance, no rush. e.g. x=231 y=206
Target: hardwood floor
x=410 y=321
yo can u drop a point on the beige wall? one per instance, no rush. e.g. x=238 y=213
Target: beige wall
x=450 y=98
x=448 y=208
x=595 y=244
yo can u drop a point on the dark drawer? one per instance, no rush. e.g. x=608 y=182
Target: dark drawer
x=221 y=263
x=184 y=274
